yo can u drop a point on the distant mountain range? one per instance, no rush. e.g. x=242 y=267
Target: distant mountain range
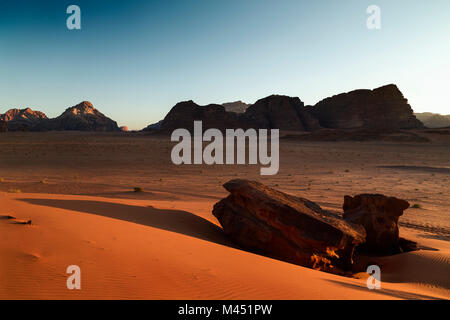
x=237 y=106
x=384 y=108
x=434 y=120
x=82 y=117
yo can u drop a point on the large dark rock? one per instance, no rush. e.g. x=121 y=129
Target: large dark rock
x=286 y=227
x=379 y=216
x=22 y=119
x=82 y=117
x=382 y=108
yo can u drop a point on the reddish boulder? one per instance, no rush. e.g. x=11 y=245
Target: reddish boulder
x=286 y=227
x=379 y=216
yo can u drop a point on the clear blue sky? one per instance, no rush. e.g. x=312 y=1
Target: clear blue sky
x=135 y=59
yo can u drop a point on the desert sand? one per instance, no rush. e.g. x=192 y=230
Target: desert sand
x=164 y=243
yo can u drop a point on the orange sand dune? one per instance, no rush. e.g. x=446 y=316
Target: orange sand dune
x=161 y=249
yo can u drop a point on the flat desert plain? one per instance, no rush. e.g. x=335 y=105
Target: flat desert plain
x=164 y=243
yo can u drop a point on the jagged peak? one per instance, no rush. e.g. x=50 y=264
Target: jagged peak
x=26 y=113
x=83 y=108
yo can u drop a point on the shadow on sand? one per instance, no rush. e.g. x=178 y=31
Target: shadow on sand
x=178 y=221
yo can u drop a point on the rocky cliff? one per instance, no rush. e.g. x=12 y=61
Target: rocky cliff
x=382 y=108
x=273 y=112
x=281 y=112
x=183 y=115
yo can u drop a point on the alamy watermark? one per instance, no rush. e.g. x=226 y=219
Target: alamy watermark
x=374 y=281
x=74 y=20
x=374 y=20
x=74 y=280
x=213 y=153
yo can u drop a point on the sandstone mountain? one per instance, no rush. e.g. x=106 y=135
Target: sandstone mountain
x=434 y=120
x=273 y=112
x=381 y=108
x=82 y=117
x=22 y=119
x=237 y=106
x=384 y=108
